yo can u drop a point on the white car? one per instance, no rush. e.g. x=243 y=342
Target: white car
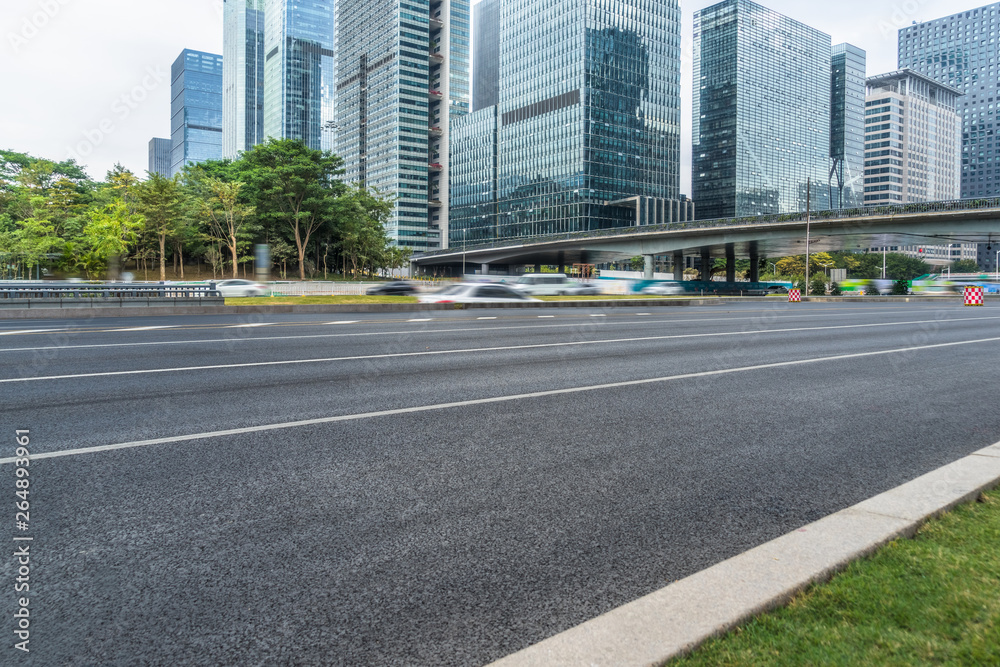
x=240 y=287
x=476 y=293
x=663 y=289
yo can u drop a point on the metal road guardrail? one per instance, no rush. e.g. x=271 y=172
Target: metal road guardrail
x=61 y=290
x=949 y=206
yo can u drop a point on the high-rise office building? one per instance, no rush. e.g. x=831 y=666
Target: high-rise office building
x=402 y=78
x=761 y=122
x=586 y=125
x=847 y=126
x=486 y=60
x=195 y=109
x=913 y=150
x=299 y=63
x=961 y=51
x=242 y=76
x=913 y=137
x=159 y=156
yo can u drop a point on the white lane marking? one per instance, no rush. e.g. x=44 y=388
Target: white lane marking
x=420 y=320
x=148 y=328
x=598 y=315
x=643 y=314
x=487 y=401
x=546 y=317
x=27 y=331
x=251 y=324
x=344 y=322
x=398 y=355
x=485 y=318
x=262 y=339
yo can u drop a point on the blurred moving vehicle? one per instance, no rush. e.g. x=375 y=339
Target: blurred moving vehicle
x=663 y=289
x=550 y=284
x=393 y=288
x=476 y=293
x=240 y=287
x=583 y=289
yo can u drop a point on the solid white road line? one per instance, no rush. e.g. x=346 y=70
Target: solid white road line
x=265 y=339
x=344 y=322
x=485 y=318
x=420 y=320
x=27 y=331
x=488 y=401
x=147 y=328
x=251 y=324
x=504 y=348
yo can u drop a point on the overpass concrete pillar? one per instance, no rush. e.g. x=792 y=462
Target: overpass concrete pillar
x=730 y=263
x=706 y=264
x=648 y=262
x=485 y=269
x=754 y=263
x=538 y=268
x=678 y=265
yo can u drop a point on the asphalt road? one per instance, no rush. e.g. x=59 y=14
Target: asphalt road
x=445 y=488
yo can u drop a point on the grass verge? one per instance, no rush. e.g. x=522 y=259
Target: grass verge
x=930 y=600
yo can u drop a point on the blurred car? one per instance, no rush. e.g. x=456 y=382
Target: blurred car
x=777 y=289
x=240 y=287
x=582 y=289
x=476 y=293
x=393 y=288
x=663 y=289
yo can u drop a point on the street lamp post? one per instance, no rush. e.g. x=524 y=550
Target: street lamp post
x=808 y=206
x=463 y=253
x=774 y=270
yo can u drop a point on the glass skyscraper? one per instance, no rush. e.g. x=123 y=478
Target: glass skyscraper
x=486 y=64
x=961 y=51
x=587 y=122
x=159 y=156
x=243 y=76
x=195 y=109
x=402 y=78
x=847 y=126
x=299 y=59
x=761 y=121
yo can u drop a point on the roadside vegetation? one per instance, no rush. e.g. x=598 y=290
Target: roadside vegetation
x=931 y=600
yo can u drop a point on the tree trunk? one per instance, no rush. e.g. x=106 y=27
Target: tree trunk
x=236 y=267
x=163 y=257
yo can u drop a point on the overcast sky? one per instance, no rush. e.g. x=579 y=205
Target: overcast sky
x=91 y=78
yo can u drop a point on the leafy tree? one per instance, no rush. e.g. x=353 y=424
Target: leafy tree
x=111 y=231
x=835 y=289
x=791 y=266
x=229 y=220
x=363 y=241
x=292 y=187
x=902 y=267
x=901 y=287
x=33 y=240
x=965 y=266
x=161 y=203
x=817 y=285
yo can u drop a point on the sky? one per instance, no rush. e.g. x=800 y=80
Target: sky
x=90 y=79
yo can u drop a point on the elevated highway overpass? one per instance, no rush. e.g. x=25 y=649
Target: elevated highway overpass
x=928 y=223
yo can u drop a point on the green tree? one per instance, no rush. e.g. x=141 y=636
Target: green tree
x=363 y=242
x=111 y=231
x=161 y=203
x=292 y=187
x=965 y=266
x=229 y=221
x=33 y=240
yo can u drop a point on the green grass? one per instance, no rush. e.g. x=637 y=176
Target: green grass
x=311 y=300
x=932 y=600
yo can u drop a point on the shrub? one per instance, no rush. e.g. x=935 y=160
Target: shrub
x=817 y=286
x=871 y=290
x=835 y=289
x=901 y=287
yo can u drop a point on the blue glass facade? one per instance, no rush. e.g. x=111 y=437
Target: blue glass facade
x=243 y=76
x=299 y=64
x=159 y=156
x=961 y=51
x=761 y=121
x=588 y=114
x=195 y=109
x=847 y=126
x=486 y=64
x=402 y=77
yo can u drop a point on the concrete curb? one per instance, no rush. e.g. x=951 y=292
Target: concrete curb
x=95 y=311
x=678 y=618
